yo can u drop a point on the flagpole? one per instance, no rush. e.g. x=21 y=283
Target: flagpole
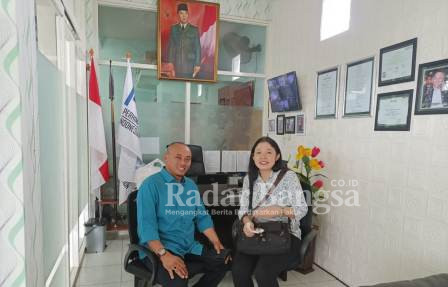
x=89 y=204
x=114 y=154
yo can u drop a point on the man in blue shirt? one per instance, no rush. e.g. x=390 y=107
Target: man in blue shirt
x=169 y=208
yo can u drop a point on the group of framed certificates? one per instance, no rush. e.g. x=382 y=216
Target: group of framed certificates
x=288 y=125
x=393 y=109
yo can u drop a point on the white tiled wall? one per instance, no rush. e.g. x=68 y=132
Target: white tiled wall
x=400 y=229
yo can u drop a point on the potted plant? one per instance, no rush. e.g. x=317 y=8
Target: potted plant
x=307 y=167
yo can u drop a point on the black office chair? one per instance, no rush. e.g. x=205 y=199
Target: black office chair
x=132 y=262
x=197 y=161
x=303 y=260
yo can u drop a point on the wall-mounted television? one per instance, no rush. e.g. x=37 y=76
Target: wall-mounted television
x=284 y=93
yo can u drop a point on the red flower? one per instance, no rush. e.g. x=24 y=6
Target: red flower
x=315 y=151
x=318 y=184
x=322 y=164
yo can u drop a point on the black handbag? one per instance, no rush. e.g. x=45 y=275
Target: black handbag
x=275 y=239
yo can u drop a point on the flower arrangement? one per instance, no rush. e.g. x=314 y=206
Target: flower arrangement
x=305 y=167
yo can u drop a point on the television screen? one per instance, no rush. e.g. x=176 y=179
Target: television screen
x=284 y=93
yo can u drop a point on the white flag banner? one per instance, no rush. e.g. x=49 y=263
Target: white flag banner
x=128 y=140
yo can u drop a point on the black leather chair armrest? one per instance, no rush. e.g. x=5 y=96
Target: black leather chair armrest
x=306 y=243
x=135 y=248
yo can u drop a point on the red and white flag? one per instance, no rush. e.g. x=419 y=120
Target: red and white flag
x=99 y=169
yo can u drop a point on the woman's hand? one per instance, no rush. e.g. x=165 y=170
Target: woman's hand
x=249 y=229
x=268 y=211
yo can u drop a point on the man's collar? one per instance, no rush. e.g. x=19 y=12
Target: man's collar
x=169 y=177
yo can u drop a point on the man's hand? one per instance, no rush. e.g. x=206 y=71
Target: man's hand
x=210 y=233
x=218 y=246
x=174 y=264
x=196 y=70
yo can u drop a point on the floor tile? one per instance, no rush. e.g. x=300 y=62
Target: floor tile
x=114 y=246
x=103 y=285
x=318 y=275
x=227 y=280
x=100 y=275
x=102 y=259
x=333 y=283
x=126 y=276
x=127 y=284
x=292 y=280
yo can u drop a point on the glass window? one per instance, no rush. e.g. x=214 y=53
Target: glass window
x=52 y=163
x=227 y=115
x=335 y=18
x=160 y=106
x=46 y=30
x=242 y=47
x=218 y=108
x=138 y=36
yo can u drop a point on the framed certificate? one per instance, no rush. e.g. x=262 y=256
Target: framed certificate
x=281 y=124
x=290 y=125
x=393 y=111
x=300 y=124
x=432 y=88
x=397 y=63
x=327 y=87
x=358 y=88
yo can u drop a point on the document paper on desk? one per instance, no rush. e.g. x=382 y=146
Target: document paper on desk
x=242 y=160
x=228 y=163
x=212 y=161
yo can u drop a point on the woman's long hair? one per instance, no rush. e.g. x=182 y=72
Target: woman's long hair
x=253 y=170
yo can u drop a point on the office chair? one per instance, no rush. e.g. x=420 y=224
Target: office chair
x=197 y=161
x=304 y=260
x=132 y=264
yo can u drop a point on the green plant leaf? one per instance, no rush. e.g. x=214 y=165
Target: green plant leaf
x=319 y=174
x=303 y=178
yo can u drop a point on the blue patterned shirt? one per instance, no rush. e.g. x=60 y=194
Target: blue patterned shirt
x=169 y=211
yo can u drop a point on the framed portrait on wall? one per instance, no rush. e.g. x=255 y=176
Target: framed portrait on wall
x=432 y=88
x=393 y=111
x=290 y=125
x=187 y=40
x=397 y=63
x=281 y=124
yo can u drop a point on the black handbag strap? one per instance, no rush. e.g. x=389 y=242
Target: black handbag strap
x=268 y=194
